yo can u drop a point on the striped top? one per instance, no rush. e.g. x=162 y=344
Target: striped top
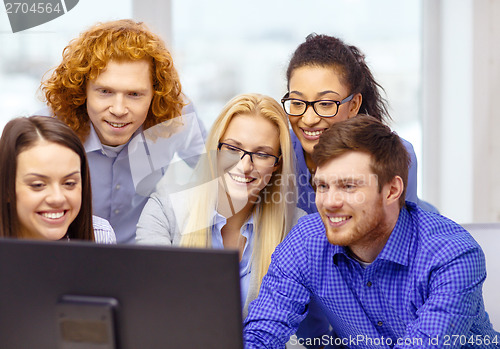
x=103 y=232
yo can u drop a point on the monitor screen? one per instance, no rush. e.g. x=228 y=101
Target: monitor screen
x=85 y=295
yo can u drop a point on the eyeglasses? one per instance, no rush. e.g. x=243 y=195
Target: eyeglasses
x=325 y=108
x=258 y=159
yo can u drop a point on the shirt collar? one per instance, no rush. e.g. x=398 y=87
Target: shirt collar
x=301 y=160
x=397 y=248
x=339 y=250
x=248 y=227
x=93 y=143
x=219 y=221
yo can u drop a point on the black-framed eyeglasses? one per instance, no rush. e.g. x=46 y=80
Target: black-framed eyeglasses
x=257 y=158
x=325 y=108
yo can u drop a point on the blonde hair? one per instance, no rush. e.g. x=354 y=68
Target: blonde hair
x=272 y=218
x=86 y=56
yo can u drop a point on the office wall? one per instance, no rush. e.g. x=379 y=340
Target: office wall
x=461 y=143
x=157 y=14
x=460 y=158
x=486 y=121
x=27 y=55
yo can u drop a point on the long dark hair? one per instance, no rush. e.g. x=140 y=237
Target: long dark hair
x=21 y=134
x=349 y=63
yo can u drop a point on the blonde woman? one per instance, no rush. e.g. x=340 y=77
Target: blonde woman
x=245 y=197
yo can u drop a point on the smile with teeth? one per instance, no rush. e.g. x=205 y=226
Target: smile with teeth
x=241 y=179
x=313 y=133
x=53 y=215
x=118 y=124
x=338 y=219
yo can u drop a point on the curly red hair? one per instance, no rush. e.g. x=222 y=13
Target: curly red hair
x=87 y=55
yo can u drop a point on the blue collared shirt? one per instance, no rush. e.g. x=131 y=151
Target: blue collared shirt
x=424 y=287
x=307 y=196
x=122 y=180
x=245 y=262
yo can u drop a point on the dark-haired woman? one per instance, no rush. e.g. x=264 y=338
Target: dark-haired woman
x=45 y=185
x=329 y=81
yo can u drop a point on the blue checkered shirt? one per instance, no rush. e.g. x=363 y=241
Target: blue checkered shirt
x=423 y=290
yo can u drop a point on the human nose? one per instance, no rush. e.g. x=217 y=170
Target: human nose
x=246 y=162
x=310 y=117
x=334 y=199
x=118 y=106
x=55 y=196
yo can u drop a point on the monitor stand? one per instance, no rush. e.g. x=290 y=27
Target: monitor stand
x=85 y=322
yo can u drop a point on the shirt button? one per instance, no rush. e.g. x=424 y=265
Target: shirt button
x=117 y=186
x=369 y=284
x=380 y=323
x=117 y=211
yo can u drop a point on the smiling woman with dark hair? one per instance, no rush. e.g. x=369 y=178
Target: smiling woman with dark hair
x=329 y=81
x=45 y=184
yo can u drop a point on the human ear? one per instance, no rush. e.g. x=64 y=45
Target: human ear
x=394 y=190
x=355 y=104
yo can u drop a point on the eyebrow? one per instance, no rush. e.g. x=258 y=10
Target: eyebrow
x=342 y=180
x=357 y=180
x=44 y=176
x=240 y=145
x=317 y=181
x=98 y=86
x=321 y=94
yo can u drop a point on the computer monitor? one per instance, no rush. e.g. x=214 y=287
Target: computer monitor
x=85 y=295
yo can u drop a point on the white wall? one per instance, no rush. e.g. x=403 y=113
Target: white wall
x=486 y=134
x=461 y=136
x=159 y=20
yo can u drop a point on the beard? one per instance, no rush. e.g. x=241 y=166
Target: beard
x=364 y=228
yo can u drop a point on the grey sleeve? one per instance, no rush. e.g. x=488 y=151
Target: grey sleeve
x=298 y=214
x=157 y=224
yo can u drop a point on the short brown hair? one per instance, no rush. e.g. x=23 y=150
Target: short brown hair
x=21 y=134
x=86 y=56
x=366 y=134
